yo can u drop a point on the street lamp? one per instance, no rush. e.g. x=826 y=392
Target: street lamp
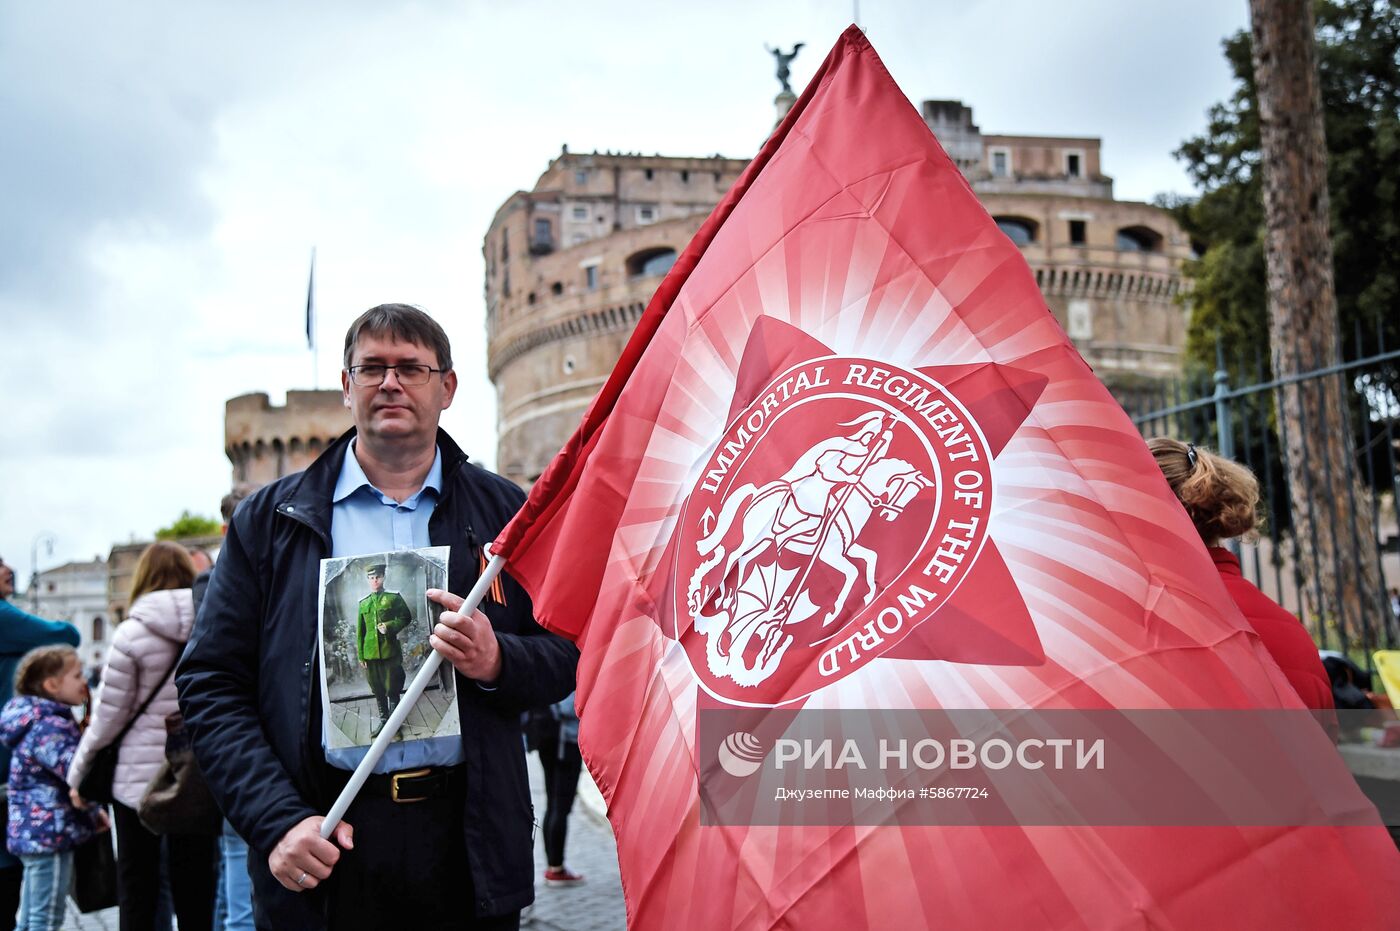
x=45 y=538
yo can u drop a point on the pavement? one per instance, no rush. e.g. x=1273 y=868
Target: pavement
x=596 y=904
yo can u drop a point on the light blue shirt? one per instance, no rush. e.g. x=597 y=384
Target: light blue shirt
x=365 y=520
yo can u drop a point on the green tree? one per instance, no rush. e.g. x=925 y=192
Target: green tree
x=1303 y=319
x=1358 y=53
x=1356 y=48
x=189 y=525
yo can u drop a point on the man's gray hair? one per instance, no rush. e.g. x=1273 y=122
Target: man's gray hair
x=405 y=323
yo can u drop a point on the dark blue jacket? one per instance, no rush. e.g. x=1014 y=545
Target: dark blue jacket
x=43 y=737
x=21 y=632
x=250 y=695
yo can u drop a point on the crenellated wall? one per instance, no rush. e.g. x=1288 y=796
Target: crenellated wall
x=265 y=442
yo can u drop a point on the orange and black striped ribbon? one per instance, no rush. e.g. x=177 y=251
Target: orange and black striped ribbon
x=498 y=590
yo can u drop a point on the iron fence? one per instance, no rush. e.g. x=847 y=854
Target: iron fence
x=1234 y=411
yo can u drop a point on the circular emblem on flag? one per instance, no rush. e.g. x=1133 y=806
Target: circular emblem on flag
x=839 y=510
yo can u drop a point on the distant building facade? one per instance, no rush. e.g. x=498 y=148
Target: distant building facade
x=572 y=263
x=76 y=592
x=121 y=569
x=1110 y=270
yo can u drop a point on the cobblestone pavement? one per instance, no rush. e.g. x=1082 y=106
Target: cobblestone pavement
x=594 y=905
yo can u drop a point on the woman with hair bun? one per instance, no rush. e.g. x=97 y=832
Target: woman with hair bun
x=1222 y=497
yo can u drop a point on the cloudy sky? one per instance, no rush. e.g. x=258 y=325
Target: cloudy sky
x=168 y=166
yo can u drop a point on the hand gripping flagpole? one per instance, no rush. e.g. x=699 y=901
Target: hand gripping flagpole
x=410 y=698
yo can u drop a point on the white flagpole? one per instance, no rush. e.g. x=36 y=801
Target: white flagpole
x=410 y=698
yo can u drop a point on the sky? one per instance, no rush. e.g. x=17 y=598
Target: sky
x=168 y=167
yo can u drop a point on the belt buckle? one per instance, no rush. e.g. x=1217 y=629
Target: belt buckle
x=407 y=774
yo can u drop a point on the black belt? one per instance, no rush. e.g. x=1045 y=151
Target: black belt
x=417 y=785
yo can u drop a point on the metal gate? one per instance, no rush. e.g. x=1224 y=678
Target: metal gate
x=1241 y=423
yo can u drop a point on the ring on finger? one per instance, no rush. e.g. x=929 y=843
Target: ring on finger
x=302 y=878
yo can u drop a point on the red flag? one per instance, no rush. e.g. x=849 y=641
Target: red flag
x=849 y=460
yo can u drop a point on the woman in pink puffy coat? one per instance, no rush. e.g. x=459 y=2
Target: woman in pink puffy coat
x=143 y=652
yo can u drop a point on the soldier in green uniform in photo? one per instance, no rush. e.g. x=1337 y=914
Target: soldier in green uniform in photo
x=382 y=615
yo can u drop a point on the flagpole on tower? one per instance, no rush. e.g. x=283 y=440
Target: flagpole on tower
x=311 y=320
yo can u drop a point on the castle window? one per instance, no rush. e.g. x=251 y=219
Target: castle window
x=1019 y=230
x=569 y=365
x=530 y=298
x=717 y=177
x=1081 y=320
x=99 y=629
x=1078 y=233
x=542 y=242
x=505 y=245
x=1074 y=164
x=1000 y=162
x=1139 y=239
x=580 y=176
x=580 y=212
x=650 y=262
x=685 y=177
x=590 y=277
x=557 y=288
x=649 y=174
x=646 y=213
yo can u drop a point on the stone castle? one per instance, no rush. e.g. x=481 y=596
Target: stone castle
x=265 y=442
x=572 y=263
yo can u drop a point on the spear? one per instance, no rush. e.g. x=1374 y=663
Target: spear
x=828 y=521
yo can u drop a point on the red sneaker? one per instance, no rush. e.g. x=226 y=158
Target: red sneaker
x=560 y=876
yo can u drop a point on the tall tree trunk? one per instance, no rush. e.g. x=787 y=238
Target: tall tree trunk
x=1331 y=515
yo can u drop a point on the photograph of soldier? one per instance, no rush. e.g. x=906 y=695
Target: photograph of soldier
x=375 y=621
x=381 y=616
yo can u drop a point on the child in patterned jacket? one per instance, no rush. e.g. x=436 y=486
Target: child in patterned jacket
x=45 y=827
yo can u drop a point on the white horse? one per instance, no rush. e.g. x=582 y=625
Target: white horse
x=887 y=485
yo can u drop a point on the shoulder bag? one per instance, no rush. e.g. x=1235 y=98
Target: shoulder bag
x=178 y=800
x=96 y=784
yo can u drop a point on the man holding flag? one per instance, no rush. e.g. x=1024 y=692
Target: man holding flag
x=1011 y=547
x=442 y=833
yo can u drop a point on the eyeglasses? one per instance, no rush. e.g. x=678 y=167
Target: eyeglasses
x=411 y=374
